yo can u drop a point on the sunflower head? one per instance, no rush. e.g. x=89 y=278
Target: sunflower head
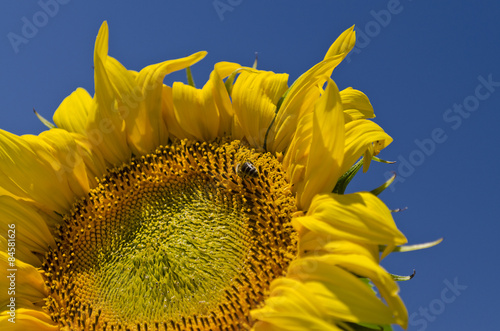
x=155 y=207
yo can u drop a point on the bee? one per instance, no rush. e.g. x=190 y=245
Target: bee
x=246 y=169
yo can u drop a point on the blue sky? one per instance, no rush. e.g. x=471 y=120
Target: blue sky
x=430 y=68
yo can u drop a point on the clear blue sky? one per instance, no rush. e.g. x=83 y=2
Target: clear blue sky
x=430 y=68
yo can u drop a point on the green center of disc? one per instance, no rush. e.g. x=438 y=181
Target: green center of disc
x=178 y=247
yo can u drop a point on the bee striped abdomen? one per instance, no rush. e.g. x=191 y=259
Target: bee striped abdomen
x=246 y=169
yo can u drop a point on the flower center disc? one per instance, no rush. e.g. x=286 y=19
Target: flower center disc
x=182 y=238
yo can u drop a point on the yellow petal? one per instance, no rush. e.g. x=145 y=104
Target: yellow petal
x=291 y=306
x=223 y=104
x=31 y=170
x=72 y=113
x=151 y=77
x=228 y=123
x=95 y=163
x=31 y=233
x=196 y=110
x=128 y=115
x=102 y=41
x=341 y=294
x=105 y=126
x=356 y=105
x=255 y=95
x=295 y=159
x=52 y=169
x=65 y=156
x=343 y=45
x=363 y=137
x=145 y=128
x=301 y=96
x=27 y=319
x=360 y=217
x=225 y=69
x=363 y=266
x=168 y=114
x=123 y=82
x=319 y=147
x=27 y=282
x=314 y=243
x=298 y=101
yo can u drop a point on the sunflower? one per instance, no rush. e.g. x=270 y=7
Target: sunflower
x=155 y=207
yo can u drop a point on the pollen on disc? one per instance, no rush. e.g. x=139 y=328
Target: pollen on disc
x=173 y=240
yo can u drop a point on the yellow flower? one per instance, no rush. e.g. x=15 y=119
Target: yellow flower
x=154 y=207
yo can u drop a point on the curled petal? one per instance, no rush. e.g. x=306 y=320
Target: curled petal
x=200 y=112
x=360 y=217
x=363 y=137
x=72 y=113
x=143 y=104
x=255 y=96
x=356 y=105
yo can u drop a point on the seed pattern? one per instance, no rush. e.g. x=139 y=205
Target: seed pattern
x=173 y=240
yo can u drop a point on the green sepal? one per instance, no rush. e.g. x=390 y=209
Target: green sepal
x=416 y=247
x=368 y=327
x=347 y=177
x=254 y=66
x=230 y=82
x=381 y=188
x=278 y=105
x=399 y=278
x=44 y=121
x=376 y=159
x=189 y=76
